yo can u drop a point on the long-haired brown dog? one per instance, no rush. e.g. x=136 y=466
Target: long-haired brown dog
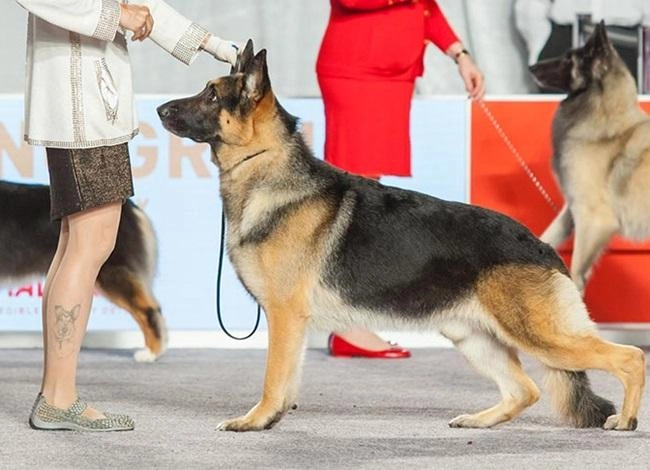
x=317 y=246
x=601 y=158
x=28 y=241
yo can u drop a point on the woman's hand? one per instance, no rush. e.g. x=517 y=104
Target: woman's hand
x=138 y=19
x=472 y=76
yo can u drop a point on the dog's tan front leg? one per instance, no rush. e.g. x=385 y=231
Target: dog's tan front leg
x=590 y=239
x=286 y=341
x=559 y=229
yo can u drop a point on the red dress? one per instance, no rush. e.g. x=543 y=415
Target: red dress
x=369 y=58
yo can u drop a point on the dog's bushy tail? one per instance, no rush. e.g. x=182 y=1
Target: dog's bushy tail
x=574 y=400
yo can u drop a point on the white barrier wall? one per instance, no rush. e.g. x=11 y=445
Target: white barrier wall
x=178 y=187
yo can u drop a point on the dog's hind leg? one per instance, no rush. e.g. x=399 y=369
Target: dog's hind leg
x=501 y=364
x=570 y=356
x=133 y=293
x=544 y=316
x=559 y=229
x=568 y=346
x=287 y=323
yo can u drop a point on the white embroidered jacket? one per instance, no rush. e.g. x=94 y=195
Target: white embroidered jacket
x=79 y=91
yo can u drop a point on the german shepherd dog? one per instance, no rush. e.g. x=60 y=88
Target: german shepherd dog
x=601 y=151
x=28 y=240
x=316 y=246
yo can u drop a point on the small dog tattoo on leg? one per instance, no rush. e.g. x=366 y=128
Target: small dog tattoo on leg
x=64 y=324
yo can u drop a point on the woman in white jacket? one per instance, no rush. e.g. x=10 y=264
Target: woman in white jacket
x=79 y=105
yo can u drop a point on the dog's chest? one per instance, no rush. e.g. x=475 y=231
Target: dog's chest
x=581 y=165
x=246 y=264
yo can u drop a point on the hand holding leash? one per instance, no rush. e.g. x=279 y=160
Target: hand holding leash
x=471 y=75
x=221 y=49
x=468 y=70
x=138 y=19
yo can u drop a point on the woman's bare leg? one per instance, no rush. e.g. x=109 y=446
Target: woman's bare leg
x=54 y=266
x=68 y=297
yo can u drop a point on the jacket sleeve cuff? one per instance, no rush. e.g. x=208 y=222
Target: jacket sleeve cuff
x=109 y=21
x=188 y=45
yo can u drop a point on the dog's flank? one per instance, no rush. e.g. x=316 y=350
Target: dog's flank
x=319 y=247
x=28 y=241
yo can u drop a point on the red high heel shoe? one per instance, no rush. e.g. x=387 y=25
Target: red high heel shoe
x=338 y=347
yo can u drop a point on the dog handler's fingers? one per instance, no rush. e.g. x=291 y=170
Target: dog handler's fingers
x=480 y=94
x=145 y=29
x=473 y=80
x=138 y=30
x=137 y=19
x=478 y=91
x=469 y=83
x=148 y=27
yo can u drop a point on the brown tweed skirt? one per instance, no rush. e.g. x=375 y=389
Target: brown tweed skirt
x=81 y=179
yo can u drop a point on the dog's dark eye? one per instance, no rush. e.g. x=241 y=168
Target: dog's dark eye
x=212 y=96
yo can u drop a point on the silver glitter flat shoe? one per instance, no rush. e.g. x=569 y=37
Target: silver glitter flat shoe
x=47 y=417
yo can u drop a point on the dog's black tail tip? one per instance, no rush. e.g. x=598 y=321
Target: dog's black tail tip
x=591 y=411
x=575 y=401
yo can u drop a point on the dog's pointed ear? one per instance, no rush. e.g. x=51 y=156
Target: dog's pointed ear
x=257 y=82
x=598 y=42
x=243 y=58
x=599 y=51
x=601 y=34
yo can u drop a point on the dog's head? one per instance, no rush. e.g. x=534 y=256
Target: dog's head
x=224 y=112
x=580 y=68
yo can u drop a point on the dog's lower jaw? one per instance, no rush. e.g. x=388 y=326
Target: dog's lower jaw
x=259 y=418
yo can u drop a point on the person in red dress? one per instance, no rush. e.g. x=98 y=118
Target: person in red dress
x=369 y=58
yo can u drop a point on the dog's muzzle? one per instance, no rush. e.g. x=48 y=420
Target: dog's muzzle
x=166 y=111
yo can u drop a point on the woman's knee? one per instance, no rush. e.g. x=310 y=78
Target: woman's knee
x=105 y=244
x=93 y=233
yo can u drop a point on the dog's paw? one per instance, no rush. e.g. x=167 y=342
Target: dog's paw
x=144 y=355
x=240 y=424
x=250 y=422
x=467 y=421
x=616 y=423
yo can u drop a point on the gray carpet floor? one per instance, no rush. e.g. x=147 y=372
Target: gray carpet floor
x=352 y=414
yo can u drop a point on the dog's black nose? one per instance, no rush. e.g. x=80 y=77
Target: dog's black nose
x=166 y=110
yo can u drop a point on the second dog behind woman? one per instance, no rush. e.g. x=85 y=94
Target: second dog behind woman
x=79 y=105
x=369 y=58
